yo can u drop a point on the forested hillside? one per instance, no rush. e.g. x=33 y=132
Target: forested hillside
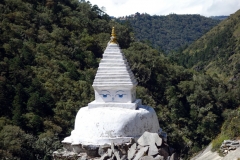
x=49 y=54
x=171 y=32
x=217 y=54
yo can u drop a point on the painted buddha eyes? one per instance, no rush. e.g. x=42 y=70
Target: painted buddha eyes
x=117 y=94
x=120 y=95
x=105 y=95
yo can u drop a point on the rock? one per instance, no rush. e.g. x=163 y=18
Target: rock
x=132 y=151
x=109 y=152
x=174 y=156
x=123 y=148
x=232 y=148
x=141 y=152
x=158 y=157
x=103 y=149
x=149 y=139
x=77 y=148
x=146 y=158
x=112 y=147
x=225 y=151
x=91 y=150
x=117 y=155
x=163 y=152
x=153 y=150
x=124 y=157
x=104 y=157
x=67 y=146
x=83 y=157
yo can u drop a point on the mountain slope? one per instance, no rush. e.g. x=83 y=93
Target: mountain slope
x=218 y=51
x=169 y=32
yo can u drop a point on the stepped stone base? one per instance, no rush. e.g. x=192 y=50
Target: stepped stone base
x=134 y=105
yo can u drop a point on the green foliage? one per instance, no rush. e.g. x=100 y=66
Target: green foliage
x=217 y=142
x=15 y=143
x=169 y=33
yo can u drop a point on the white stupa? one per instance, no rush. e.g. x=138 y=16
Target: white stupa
x=115 y=115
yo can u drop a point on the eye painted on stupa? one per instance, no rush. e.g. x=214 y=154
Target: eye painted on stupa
x=119 y=94
x=105 y=94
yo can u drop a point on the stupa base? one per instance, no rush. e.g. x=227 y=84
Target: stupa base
x=134 y=105
x=106 y=125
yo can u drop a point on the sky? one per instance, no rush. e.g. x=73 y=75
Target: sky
x=119 y=8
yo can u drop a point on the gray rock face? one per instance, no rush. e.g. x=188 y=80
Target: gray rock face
x=153 y=150
x=229 y=145
x=146 y=158
x=117 y=155
x=150 y=139
x=104 y=157
x=148 y=147
x=174 y=156
x=103 y=149
x=91 y=150
x=163 y=152
x=132 y=151
x=140 y=153
x=158 y=157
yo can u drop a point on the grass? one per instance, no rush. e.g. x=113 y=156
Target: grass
x=217 y=142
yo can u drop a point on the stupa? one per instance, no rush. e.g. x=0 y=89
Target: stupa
x=115 y=116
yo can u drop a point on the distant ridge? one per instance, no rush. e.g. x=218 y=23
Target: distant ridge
x=169 y=32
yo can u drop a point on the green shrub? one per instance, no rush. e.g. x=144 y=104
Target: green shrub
x=216 y=143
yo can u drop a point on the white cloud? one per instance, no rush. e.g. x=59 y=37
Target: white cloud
x=119 y=8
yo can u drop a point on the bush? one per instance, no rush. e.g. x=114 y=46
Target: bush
x=216 y=143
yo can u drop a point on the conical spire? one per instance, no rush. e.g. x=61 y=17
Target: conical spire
x=113 y=69
x=114 y=82
x=114 y=37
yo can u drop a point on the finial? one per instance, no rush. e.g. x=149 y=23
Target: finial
x=114 y=37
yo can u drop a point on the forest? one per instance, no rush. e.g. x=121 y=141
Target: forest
x=169 y=33
x=49 y=54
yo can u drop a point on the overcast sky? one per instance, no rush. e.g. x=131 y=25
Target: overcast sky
x=206 y=8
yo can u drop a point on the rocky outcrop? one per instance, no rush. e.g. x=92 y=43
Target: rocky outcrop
x=229 y=145
x=150 y=146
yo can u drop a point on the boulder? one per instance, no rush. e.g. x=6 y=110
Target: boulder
x=141 y=153
x=163 y=152
x=146 y=158
x=91 y=150
x=149 y=139
x=153 y=150
x=158 y=157
x=132 y=151
x=174 y=156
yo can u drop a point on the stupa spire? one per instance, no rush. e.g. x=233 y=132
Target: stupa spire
x=114 y=37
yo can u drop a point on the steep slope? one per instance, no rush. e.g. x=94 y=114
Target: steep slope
x=218 y=51
x=169 y=32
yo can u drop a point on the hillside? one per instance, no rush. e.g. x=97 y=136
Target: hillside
x=218 y=51
x=217 y=54
x=169 y=33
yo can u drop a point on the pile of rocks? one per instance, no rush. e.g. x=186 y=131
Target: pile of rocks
x=150 y=146
x=229 y=145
